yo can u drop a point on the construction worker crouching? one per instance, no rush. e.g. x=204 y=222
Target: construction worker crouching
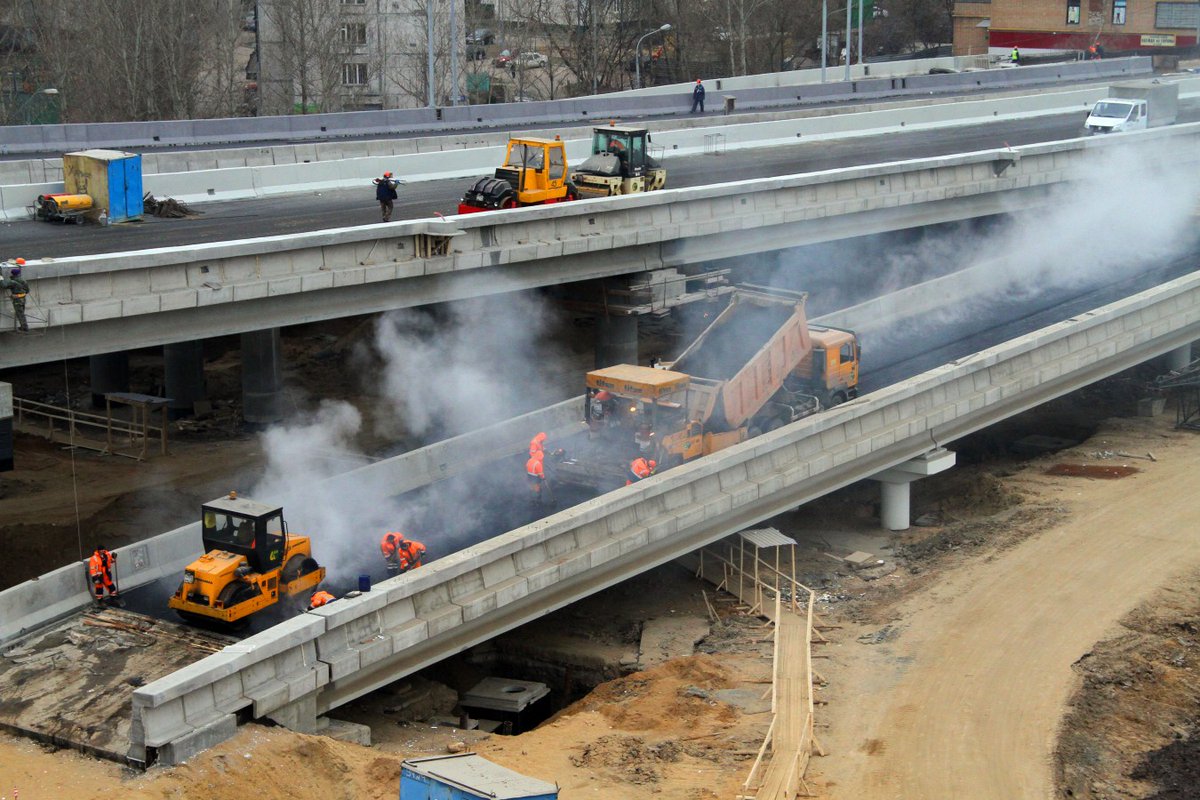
x=320 y=598
x=100 y=571
x=412 y=554
x=641 y=468
x=390 y=547
x=18 y=289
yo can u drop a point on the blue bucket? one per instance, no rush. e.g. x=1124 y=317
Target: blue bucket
x=364 y=583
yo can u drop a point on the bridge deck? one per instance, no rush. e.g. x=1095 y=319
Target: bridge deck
x=72 y=683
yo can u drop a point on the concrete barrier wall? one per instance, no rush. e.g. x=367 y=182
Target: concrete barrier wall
x=32 y=604
x=339 y=652
x=64 y=138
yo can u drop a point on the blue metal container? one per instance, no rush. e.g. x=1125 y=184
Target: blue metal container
x=364 y=583
x=468 y=776
x=111 y=178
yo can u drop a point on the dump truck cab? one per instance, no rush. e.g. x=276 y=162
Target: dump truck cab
x=534 y=172
x=831 y=370
x=250 y=562
x=620 y=163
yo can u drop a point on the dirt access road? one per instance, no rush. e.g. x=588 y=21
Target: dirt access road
x=966 y=701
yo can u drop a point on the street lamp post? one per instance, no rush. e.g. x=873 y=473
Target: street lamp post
x=637 y=54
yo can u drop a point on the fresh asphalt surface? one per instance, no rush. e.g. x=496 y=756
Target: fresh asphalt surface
x=311 y=211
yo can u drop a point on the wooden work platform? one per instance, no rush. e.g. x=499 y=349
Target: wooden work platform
x=71 y=683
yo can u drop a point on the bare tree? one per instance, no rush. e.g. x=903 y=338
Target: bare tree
x=306 y=54
x=125 y=59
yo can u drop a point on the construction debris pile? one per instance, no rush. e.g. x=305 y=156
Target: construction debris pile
x=168 y=207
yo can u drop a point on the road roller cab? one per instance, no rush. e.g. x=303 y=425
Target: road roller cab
x=534 y=173
x=250 y=563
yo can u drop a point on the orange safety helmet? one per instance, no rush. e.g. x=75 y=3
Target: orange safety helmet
x=387 y=174
x=603 y=395
x=20 y=262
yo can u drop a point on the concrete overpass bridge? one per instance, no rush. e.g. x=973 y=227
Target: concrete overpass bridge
x=107 y=303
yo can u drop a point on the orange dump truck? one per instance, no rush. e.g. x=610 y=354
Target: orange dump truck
x=758 y=366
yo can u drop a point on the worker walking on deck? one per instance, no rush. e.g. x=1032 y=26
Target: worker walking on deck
x=390 y=547
x=17 y=289
x=320 y=598
x=412 y=554
x=386 y=194
x=100 y=571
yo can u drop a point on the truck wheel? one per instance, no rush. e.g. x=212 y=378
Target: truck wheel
x=753 y=432
x=774 y=425
x=836 y=399
x=508 y=201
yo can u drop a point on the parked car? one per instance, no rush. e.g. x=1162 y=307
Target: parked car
x=503 y=59
x=481 y=36
x=532 y=60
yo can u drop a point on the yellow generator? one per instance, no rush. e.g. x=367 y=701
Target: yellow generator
x=250 y=563
x=620 y=164
x=62 y=207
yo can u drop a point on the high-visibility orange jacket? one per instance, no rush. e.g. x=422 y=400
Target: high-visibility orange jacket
x=411 y=553
x=101 y=563
x=533 y=467
x=537 y=444
x=641 y=468
x=321 y=598
x=389 y=543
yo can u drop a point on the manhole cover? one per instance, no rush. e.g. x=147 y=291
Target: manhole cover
x=1091 y=471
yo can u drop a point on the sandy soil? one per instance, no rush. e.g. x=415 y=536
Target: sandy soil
x=1027 y=605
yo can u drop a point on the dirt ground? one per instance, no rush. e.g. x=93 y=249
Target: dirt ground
x=1033 y=636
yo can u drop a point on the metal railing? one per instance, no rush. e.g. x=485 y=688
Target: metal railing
x=117 y=437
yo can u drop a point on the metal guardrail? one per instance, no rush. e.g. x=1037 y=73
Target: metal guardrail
x=59 y=421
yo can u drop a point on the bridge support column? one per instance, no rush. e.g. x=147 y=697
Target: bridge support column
x=616 y=340
x=1179 y=358
x=183 y=368
x=262 y=377
x=108 y=373
x=894 y=485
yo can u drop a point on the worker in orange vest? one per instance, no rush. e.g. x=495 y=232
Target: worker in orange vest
x=537 y=444
x=319 y=599
x=100 y=570
x=539 y=487
x=641 y=469
x=412 y=554
x=390 y=547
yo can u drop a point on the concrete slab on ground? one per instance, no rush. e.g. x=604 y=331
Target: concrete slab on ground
x=665 y=638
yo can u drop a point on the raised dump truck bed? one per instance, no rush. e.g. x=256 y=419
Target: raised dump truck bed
x=71 y=683
x=747 y=353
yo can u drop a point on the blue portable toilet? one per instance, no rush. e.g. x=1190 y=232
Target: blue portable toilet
x=111 y=178
x=468 y=776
